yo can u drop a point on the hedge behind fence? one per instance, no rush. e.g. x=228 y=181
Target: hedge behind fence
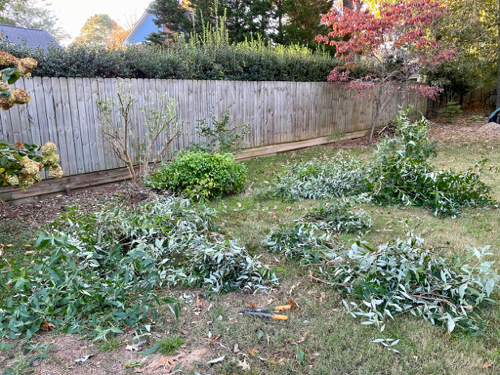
x=248 y=61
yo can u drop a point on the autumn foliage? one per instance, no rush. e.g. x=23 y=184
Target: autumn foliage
x=394 y=44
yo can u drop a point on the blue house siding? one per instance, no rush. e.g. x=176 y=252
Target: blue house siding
x=143 y=30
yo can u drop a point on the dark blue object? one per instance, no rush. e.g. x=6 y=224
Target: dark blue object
x=494 y=116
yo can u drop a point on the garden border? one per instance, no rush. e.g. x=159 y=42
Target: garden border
x=14 y=196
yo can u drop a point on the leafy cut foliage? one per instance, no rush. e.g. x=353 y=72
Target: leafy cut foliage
x=329 y=178
x=200 y=175
x=246 y=61
x=401 y=172
x=339 y=216
x=406 y=276
x=100 y=271
x=220 y=137
x=403 y=276
x=304 y=239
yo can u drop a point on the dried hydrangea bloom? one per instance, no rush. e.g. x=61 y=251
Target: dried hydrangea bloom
x=18 y=96
x=50 y=159
x=19 y=145
x=5 y=104
x=26 y=181
x=6 y=58
x=30 y=167
x=56 y=172
x=25 y=66
x=4 y=86
x=13 y=180
x=48 y=148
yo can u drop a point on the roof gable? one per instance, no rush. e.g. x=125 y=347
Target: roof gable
x=33 y=38
x=142 y=29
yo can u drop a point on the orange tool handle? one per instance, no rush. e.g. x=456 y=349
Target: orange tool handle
x=279 y=317
x=284 y=307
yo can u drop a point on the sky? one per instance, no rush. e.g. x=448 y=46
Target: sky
x=73 y=14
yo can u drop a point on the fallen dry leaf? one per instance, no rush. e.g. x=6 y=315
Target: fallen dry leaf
x=163 y=362
x=244 y=365
x=487 y=365
x=293 y=287
x=198 y=302
x=46 y=326
x=235 y=348
x=303 y=338
x=251 y=351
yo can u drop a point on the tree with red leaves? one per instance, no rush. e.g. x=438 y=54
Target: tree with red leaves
x=392 y=45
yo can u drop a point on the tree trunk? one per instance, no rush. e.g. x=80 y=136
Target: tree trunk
x=374 y=123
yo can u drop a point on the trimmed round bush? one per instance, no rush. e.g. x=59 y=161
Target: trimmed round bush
x=200 y=175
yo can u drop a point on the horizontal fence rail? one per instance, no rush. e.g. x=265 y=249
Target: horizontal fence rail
x=64 y=111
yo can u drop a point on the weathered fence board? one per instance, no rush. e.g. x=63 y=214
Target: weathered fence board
x=65 y=111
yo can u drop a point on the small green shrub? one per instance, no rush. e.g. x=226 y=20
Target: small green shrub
x=450 y=111
x=170 y=344
x=220 y=138
x=329 y=178
x=200 y=175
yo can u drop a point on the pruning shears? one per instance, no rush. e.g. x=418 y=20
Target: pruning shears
x=268 y=312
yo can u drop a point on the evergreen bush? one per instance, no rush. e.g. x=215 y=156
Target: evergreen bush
x=246 y=61
x=200 y=175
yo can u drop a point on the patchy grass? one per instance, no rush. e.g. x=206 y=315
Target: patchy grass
x=319 y=338
x=170 y=344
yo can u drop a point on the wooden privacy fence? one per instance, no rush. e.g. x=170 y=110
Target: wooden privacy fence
x=64 y=111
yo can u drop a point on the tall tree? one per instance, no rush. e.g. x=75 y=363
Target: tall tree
x=247 y=19
x=99 y=29
x=243 y=18
x=470 y=27
x=33 y=14
x=391 y=45
x=304 y=21
x=6 y=6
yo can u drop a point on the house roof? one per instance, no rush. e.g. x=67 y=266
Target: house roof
x=32 y=37
x=142 y=29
